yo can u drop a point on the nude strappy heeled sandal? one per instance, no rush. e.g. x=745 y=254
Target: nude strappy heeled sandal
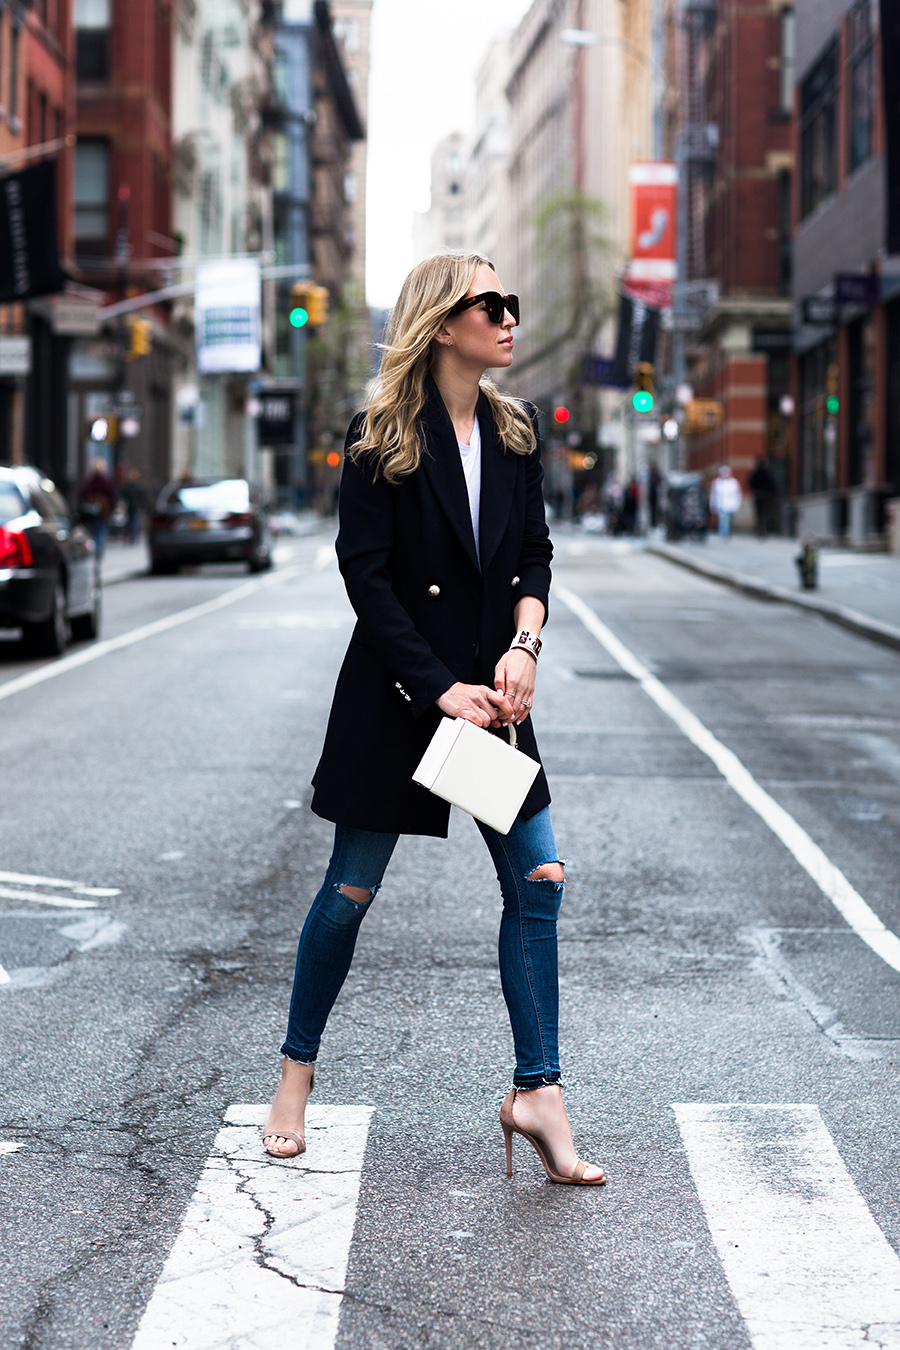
x=542 y=1149
x=297 y=1139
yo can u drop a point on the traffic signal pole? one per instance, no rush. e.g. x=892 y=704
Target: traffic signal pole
x=298 y=57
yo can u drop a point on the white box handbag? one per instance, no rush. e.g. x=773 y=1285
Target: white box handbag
x=477 y=772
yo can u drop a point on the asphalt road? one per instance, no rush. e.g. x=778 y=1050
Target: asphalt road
x=700 y=963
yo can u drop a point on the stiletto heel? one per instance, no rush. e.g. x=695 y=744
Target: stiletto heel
x=507 y=1135
x=542 y=1148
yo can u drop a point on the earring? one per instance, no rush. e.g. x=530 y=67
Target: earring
x=449 y=342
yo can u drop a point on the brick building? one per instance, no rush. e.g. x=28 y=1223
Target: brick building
x=736 y=157
x=846 y=281
x=122 y=216
x=36 y=107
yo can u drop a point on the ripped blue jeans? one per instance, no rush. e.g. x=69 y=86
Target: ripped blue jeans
x=527 y=947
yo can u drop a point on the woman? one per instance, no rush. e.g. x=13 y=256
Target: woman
x=446 y=558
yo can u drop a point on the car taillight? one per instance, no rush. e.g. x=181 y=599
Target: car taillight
x=239 y=518
x=15 y=550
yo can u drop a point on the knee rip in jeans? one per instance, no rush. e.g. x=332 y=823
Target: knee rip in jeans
x=360 y=895
x=548 y=871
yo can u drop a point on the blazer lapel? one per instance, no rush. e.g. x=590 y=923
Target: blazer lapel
x=443 y=466
x=498 y=477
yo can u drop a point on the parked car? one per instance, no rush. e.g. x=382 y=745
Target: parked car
x=49 y=570
x=204 y=520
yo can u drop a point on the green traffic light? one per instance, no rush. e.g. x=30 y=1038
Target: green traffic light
x=833 y=405
x=642 y=401
x=298 y=317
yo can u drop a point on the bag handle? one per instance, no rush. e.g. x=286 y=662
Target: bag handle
x=513 y=737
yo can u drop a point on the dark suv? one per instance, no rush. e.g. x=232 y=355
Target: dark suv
x=49 y=571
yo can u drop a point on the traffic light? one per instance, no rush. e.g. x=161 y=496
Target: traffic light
x=140 y=339
x=309 y=305
x=832 y=398
x=300 y=304
x=560 y=415
x=318 y=306
x=104 y=428
x=642 y=400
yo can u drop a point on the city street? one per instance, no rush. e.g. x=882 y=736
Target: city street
x=158 y=858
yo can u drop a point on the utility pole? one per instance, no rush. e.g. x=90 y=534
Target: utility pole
x=123 y=254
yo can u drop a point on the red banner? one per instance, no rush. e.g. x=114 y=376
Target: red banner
x=654 y=205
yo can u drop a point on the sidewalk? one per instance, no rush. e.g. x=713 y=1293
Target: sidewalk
x=859 y=591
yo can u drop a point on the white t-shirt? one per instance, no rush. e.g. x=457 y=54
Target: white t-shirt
x=471 y=461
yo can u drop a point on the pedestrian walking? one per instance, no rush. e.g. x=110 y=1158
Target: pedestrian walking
x=445 y=554
x=97 y=501
x=631 y=501
x=762 y=485
x=133 y=494
x=725 y=499
x=654 y=487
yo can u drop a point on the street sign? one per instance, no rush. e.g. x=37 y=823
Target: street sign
x=773 y=339
x=227 y=315
x=636 y=341
x=71 y=317
x=856 y=288
x=599 y=370
x=15 y=355
x=276 y=417
x=29 y=261
x=818 y=309
x=702 y=415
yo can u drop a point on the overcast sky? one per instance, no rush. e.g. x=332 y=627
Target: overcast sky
x=424 y=57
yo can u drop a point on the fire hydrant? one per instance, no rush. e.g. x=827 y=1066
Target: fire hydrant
x=807 y=561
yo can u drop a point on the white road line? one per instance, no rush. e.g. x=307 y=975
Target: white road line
x=261 y=1258
x=36 y=898
x=808 y=1266
x=4 y=979
x=9 y=1146
x=830 y=879
x=99 y=649
x=325 y=556
x=21 y=878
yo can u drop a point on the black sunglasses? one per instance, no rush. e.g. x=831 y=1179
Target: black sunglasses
x=495 y=304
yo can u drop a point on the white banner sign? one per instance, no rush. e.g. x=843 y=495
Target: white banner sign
x=15 y=355
x=226 y=315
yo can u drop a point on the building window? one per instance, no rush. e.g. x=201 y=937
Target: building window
x=351 y=186
x=818 y=160
x=860 y=84
x=785 y=233
x=92 y=31
x=347 y=32
x=788 y=59
x=15 y=37
x=91 y=194
x=281 y=163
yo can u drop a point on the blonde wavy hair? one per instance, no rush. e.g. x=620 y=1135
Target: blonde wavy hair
x=390 y=429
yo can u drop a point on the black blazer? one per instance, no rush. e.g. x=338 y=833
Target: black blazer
x=427 y=616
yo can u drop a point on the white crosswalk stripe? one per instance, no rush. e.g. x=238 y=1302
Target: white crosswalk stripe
x=261 y=1258
x=808 y=1266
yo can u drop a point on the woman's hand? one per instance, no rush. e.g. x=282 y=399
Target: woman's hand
x=514 y=677
x=476 y=703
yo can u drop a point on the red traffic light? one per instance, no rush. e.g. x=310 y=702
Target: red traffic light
x=560 y=414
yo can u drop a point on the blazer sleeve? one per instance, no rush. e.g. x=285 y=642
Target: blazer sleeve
x=364 y=543
x=533 y=569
